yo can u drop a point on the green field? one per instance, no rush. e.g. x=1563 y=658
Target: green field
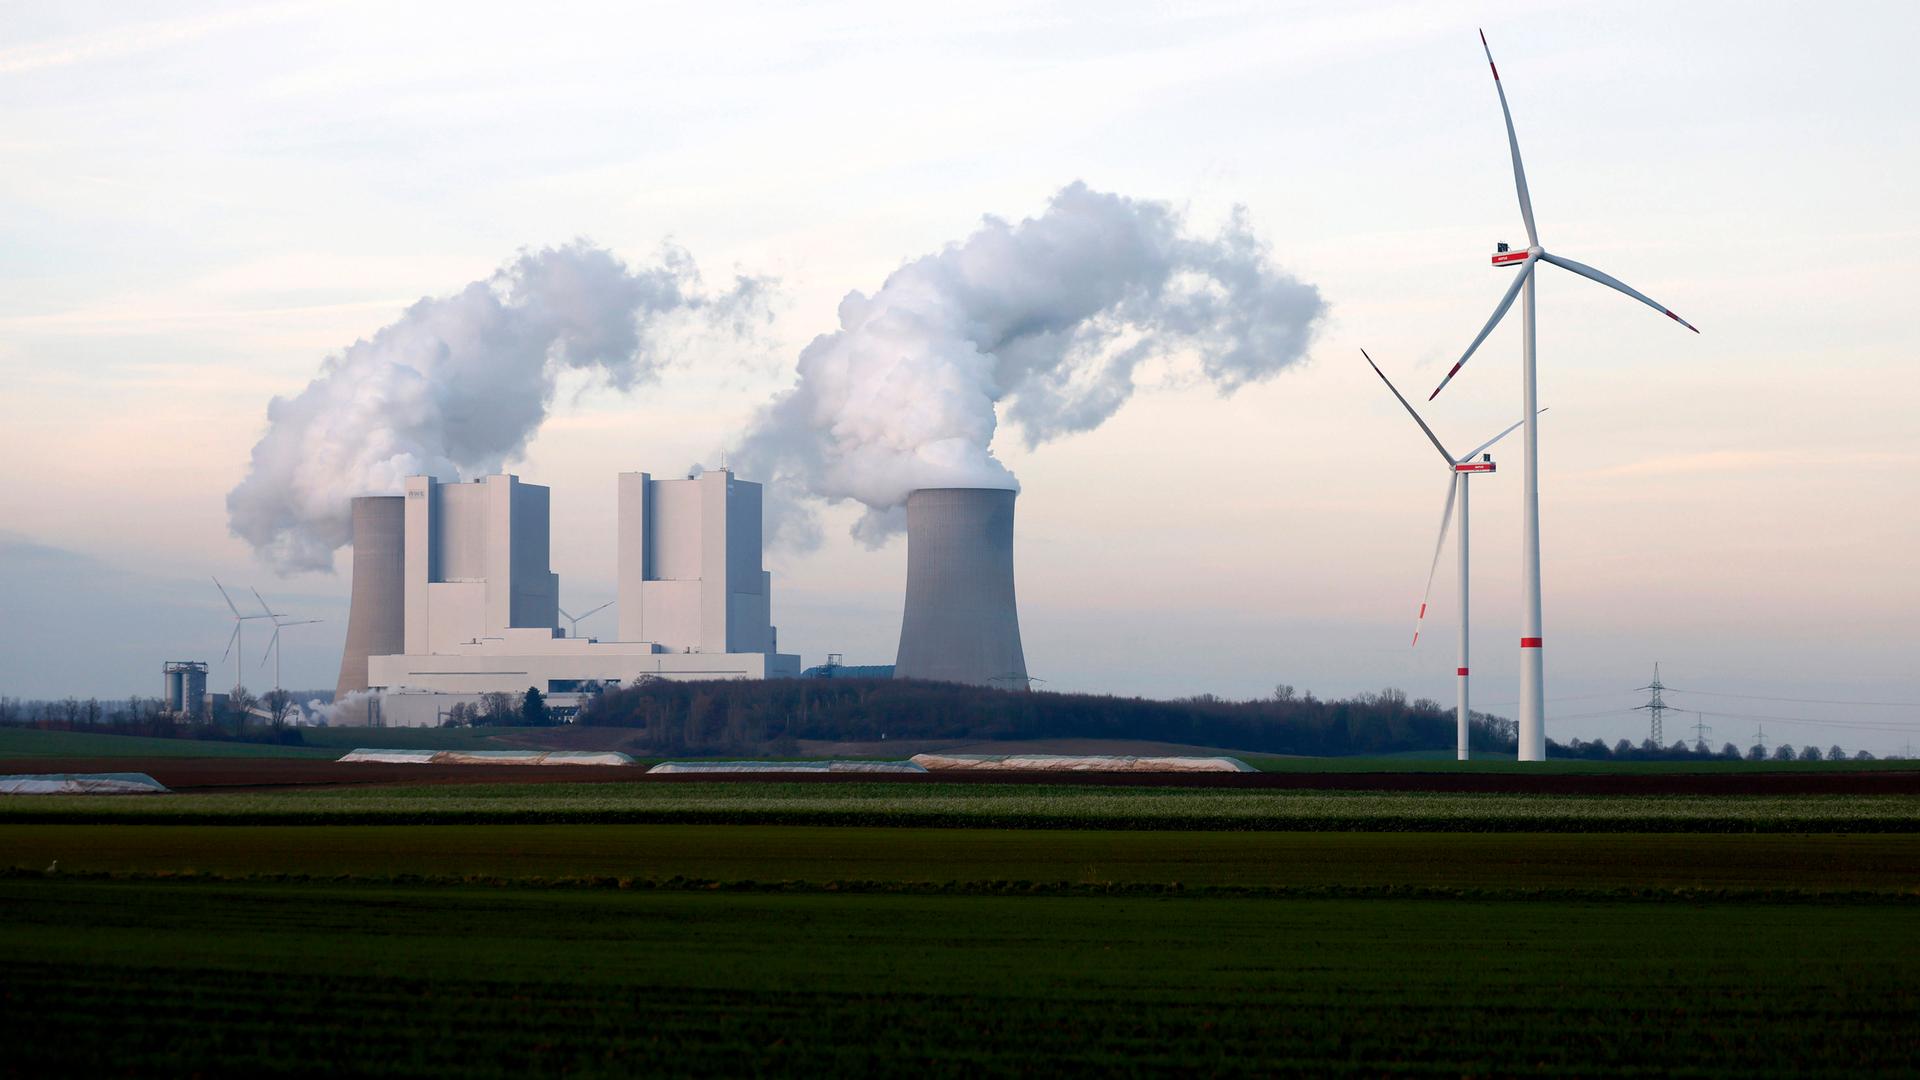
x=31 y=743
x=150 y=977
x=994 y=806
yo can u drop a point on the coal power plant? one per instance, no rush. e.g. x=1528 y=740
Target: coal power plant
x=961 y=624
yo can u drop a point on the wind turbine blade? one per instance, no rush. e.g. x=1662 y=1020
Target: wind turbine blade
x=1513 y=290
x=1615 y=283
x=228 y=599
x=1471 y=454
x=231 y=638
x=271 y=614
x=564 y=615
x=1431 y=437
x=272 y=644
x=1513 y=145
x=602 y=607
x=1446 y=519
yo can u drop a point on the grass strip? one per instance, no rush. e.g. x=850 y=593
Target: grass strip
x=1876 y=862
x=994 y=887
x=992 y=806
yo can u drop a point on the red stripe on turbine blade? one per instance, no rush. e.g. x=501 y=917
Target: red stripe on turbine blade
x=1459 y=671
x=1530 y=643
x=1423 y=611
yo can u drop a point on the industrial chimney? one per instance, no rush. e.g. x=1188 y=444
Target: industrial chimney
x=961 y=624
x=376 y=621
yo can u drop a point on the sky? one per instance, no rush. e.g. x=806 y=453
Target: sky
x=202 y=202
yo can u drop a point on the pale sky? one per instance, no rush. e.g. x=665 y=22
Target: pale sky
x=201 y=202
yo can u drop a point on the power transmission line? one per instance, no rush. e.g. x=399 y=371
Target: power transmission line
x=1798 y=700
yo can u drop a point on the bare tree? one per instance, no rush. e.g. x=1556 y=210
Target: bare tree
x=240 y=703
x=279 y=705
x=498 y=707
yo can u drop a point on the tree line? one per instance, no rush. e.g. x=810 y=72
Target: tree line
x=233 y=721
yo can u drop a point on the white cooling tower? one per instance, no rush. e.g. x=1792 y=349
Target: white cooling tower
x=376 y=621
x=961 y=624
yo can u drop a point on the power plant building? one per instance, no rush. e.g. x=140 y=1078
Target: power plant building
x=477 y=606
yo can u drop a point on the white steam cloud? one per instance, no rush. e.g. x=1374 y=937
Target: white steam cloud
x=457 y=387
x=1051 y=318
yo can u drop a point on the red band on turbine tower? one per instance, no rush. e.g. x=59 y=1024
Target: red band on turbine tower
x=1529 y=642
x=1460 y=671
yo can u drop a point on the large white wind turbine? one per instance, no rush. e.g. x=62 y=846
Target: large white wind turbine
x=1459 y=470
x=281 y=620
x=239 y=622
x=1533 y=732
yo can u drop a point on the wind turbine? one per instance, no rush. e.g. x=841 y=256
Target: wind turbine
x=575 y=620
x=1459 y=470
x=1533 y=711
x=239 y=623
x=278 y=625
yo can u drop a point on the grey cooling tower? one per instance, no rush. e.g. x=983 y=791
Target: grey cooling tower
x=376 y=621
x=961 y=624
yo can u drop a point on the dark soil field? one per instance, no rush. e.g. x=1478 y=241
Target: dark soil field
x=1594 y=865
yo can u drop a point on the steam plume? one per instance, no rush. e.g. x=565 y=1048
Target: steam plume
x=1050 y=318
x=456 y=388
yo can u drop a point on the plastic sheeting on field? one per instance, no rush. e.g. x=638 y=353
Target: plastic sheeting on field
x=491 y=757
x=113 y=783
x=787 y=767
x=1077 y=763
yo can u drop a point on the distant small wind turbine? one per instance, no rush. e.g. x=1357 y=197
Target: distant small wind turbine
x=1459 y=469
x=236 y=646
x=575 y=620
x=1533 y=677
x=280 y=622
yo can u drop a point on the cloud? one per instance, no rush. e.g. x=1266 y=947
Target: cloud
x=1050 y=318
x=458 y=385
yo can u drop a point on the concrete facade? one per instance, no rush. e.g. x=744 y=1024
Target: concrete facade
x=961 y=623
x=476 y=561
x=690 y=573
x=376 y=616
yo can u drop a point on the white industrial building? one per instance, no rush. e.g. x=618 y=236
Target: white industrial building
x=479 y=606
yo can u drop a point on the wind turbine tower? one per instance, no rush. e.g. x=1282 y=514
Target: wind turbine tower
x=1533 y=709
x=1459 y=469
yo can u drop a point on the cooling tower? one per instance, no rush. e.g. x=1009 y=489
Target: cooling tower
x=376 y=621
x=961 y=624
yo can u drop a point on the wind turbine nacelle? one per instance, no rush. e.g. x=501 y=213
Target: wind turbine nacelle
x=1474 y=466
x=1505 y=256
